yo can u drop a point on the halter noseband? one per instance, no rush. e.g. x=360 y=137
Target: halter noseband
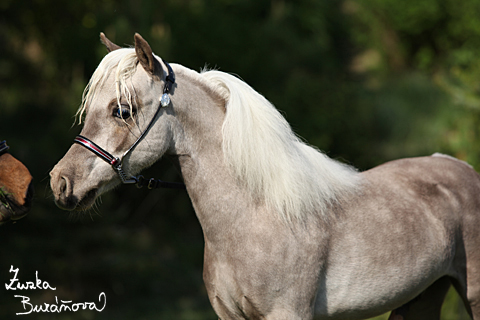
x=3 y=147
x=116 y=162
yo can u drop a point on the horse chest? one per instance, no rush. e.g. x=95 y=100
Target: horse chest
x=257 y=277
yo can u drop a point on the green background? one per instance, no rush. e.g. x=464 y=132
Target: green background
x=365 y=81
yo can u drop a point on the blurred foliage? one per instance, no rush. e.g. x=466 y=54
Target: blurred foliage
x=365 y=81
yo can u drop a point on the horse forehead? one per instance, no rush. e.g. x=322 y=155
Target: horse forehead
x=139 y=85
x=142 y=83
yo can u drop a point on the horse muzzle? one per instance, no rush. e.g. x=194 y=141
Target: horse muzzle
x=10 y=210
x=16 y=186
x=66 y=197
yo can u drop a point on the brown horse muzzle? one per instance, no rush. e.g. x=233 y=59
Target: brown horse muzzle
x=16 y=189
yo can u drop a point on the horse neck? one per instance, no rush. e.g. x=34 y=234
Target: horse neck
x=218 y=200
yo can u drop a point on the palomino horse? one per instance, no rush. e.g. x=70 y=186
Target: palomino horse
x=16 y=188
x=289 y=233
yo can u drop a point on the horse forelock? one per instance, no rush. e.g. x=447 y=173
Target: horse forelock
x=122 y=63
x=265 y=155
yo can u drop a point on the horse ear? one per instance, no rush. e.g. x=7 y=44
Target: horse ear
x=144 y=54
x=109 y=44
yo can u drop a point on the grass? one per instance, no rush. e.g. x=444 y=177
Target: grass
x=452 y=309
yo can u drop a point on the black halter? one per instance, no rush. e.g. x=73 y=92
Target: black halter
x=116 y=162
x=3 y=147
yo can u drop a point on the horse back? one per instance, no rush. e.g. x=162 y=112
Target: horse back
x=443 y=189
x=450 y=187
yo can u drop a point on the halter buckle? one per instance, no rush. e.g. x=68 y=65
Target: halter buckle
x=117 y=166
x=116 y=162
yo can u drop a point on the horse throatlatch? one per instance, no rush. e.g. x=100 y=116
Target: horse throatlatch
x=116 y=162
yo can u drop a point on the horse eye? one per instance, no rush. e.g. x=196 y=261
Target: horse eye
x=123 y=112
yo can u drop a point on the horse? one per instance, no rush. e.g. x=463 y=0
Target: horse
x=16 y=187
x=289 y=232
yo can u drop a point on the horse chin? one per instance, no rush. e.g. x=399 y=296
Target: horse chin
x=74 y=203
x=10 y=211
x=87 y=201
x=5 y=212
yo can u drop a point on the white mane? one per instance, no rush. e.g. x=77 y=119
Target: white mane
x=259 y=145
x=264 y=153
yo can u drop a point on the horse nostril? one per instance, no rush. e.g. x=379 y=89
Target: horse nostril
x=62 y=186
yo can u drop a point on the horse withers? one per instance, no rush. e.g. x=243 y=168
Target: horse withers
x=16 y=187
x=289 y=232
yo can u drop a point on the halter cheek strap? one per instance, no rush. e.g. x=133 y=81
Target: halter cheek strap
x=116 y=162
x=169 y=81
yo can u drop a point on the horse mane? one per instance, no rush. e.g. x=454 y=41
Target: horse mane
x=259 y=146
x=265 y=155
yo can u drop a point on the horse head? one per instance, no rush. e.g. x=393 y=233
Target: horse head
x=121 y=104
x=16 y=188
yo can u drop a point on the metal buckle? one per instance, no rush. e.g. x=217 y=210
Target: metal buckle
x=117 y=166
x=151 y=184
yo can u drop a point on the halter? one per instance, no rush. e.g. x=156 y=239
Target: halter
x=116 y=162
x=3 y=147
